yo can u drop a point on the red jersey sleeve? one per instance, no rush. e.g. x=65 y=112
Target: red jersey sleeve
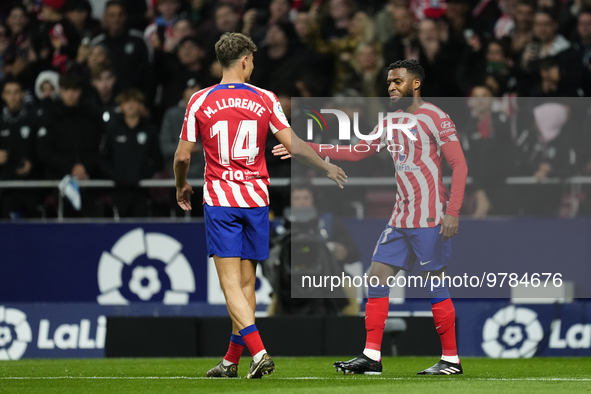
x=455 y=157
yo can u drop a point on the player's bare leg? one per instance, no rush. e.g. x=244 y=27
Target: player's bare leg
x=376 y=313
x=242 y=312
x=444 y=317
x=228 y=367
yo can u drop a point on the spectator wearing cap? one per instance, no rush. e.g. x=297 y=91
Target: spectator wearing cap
x=59 y=32
x=173 y=70
x=127 y=49
x=129 y=153
x=47 y=88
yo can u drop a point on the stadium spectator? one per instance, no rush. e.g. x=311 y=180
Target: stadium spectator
x=436 y=57
x=582 y=43
x=79 y=13
x=129 y=153
x=182 y=29
x=367 y=73
x=47 y=88
x=68 y=139
x=18 y=126
x=278 y=64
x=226 y=19
x=361 y=29
x=126 y=48
x=102 y=97
x=520 y=33
x=544 y=150
x=174 y=70
x=549 y=44
x=337 y=24
x=60 y=33
x=486 y=138
x=161 y=30
x=199 y=12
x=4 y=43
x=18 y=26
x=404 y=44
x=169 y=136
x=257 y=25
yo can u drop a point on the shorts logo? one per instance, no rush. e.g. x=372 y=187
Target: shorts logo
x=512 y=333
x=145 y=267
x=446 y=124
x=15 y=333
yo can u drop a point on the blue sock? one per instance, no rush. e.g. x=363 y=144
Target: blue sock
x=237 y=339
x=379 y=291
x=438 y=293
x=248 y=330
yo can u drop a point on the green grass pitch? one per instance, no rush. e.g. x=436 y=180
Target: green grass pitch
x=293 y=375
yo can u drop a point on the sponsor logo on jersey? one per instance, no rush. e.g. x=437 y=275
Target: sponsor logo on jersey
x=446 y=124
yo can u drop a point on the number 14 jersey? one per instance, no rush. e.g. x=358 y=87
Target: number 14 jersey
x=233 y=121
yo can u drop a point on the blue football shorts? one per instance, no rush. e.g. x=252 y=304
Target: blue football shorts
x=237 y=232
x=402 y=247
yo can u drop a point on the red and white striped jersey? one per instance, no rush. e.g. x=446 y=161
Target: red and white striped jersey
x=421 y=195
x=233 y=121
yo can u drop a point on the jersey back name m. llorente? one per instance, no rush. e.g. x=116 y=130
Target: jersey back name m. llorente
x=233 y=121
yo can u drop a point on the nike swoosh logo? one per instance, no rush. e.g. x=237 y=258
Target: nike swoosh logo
x=437 y=328
x=426 y=262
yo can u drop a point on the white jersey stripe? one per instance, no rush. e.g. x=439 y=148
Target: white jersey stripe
x=431 y=107
x=434 y=170
x=220 y=193
x=206 y=195
x=237 y=193
x=192 y=120
x=425 y=192
x=253 y=194
x=264 y=188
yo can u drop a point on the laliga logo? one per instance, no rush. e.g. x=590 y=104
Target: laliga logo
x=512 y=333
x=15 y=333
x=345 y=124
x=145 y=267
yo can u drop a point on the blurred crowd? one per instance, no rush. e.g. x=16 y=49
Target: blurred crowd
x=96 y=89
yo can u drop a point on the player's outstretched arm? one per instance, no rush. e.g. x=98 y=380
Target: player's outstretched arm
x=301 y=151
x=182 y=160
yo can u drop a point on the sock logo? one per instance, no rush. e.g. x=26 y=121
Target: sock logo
x=512 y=333
x=145 y=267
x=15 y=333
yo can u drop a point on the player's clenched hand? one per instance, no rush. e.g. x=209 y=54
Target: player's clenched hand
x=449 y=227
x=280 y=150
x=335 y=173
x=183 y=196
